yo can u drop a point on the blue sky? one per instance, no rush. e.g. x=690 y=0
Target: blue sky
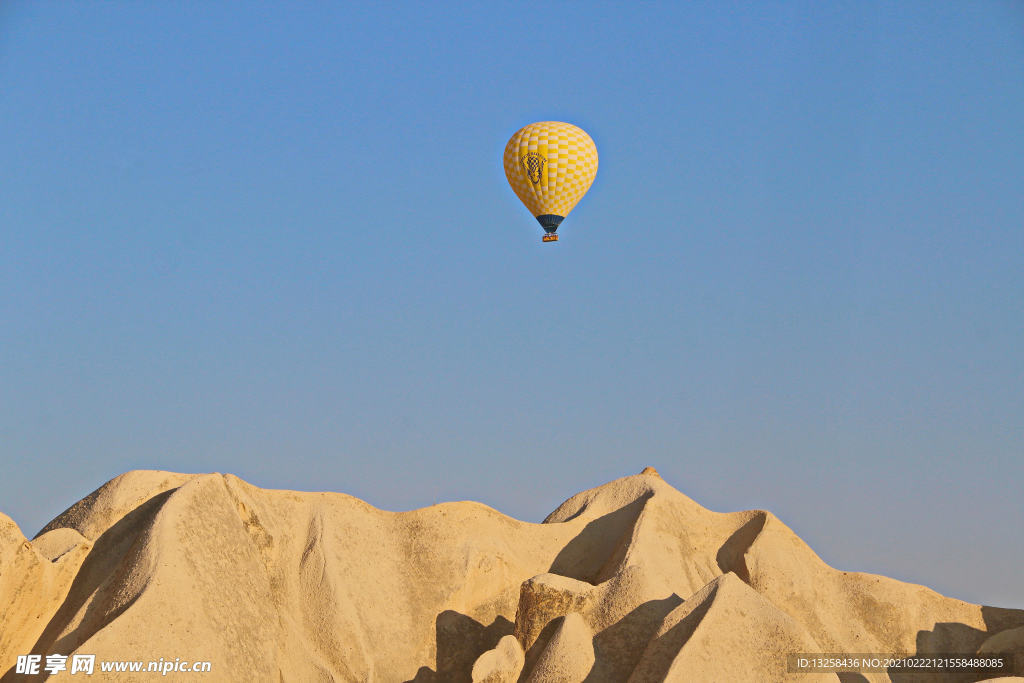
x=276 y=240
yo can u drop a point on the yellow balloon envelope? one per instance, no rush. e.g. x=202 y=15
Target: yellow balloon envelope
x=550 y=166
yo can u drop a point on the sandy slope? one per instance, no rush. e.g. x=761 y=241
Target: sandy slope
x=630 y=581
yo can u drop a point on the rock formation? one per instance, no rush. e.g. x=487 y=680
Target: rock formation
x=630 y=581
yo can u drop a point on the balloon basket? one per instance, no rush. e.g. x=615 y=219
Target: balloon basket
x=550 y=237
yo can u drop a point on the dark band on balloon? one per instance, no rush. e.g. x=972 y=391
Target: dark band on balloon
x=550 y=221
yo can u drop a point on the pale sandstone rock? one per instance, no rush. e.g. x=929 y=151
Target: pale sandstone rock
x=280 y=585
x=503 y=664
x=32 y=587
x=568 y=654
x=726 y=631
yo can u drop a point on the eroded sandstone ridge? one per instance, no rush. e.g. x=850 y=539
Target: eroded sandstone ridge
x=630 y=581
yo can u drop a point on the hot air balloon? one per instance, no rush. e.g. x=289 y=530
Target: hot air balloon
x=550 y=166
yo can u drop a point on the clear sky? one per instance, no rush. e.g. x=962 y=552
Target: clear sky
x=275 y=239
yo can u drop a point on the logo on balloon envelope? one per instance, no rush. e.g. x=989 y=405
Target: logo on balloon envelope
x=534 y=165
